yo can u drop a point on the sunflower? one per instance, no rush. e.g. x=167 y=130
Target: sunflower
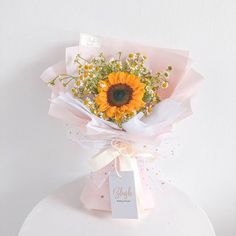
x=120 y=95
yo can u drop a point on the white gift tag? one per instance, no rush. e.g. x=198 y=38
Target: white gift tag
x=123 y=195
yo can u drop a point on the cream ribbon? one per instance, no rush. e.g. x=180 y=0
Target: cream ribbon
x=123 y=153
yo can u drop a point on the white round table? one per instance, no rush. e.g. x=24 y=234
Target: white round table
x=61 y=214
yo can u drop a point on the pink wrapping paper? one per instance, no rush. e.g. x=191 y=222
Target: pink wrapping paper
x=96 y=195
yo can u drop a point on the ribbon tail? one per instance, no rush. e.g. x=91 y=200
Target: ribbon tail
x=103 y=159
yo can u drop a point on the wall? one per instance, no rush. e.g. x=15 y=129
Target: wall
x=36 y=157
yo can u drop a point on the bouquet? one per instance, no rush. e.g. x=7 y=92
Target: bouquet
x=121 y=98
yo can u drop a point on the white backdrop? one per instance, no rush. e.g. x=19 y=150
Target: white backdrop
x=35 y=155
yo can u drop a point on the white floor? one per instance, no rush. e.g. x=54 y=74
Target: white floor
x=35 y=155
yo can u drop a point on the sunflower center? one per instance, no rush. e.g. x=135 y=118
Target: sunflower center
x=119 y=94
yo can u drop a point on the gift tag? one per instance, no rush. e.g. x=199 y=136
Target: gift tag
x=123 y=195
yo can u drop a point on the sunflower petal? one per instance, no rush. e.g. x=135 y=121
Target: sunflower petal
x=111 y=111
